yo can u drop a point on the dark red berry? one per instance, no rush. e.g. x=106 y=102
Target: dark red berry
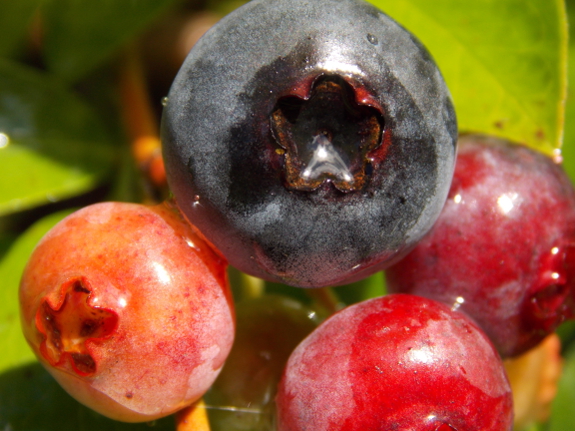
x=503 y=249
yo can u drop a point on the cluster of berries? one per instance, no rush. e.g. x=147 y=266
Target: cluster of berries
x=314 y=144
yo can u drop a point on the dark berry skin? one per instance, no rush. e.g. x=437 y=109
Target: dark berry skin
x=399 y=362
x=312 y=142
x=503 y=249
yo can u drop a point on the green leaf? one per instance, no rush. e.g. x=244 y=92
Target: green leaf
x=562 y=417
x=15 y=350
x=31 y=400
x=52 y=145
x=224 y=7
x=6 y=240
x=535 y=427
x=504 y=62
x=15 y=16
x=569 y=147
x=370 y=287
x=80 y=34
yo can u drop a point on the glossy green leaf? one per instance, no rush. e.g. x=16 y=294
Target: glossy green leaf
x=31 y=400
x=52 y=145
x=562 y=417
x=6 y=240
x=80 y=34
x=15 y=17
x=224 y=7
x=370 y=287
x=566 y=332
x=569 y=147
x=15 y=350
x=535 y=427
x=503 y=60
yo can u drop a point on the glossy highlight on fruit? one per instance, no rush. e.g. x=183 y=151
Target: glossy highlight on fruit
x=396 y=362
x=312 y=143
x=503 y=249
x=128 y=309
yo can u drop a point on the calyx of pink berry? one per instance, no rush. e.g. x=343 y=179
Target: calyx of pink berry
x=70 y=326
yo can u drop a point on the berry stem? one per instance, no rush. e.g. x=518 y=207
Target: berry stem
x=193 y=418
x=252 y=287
x=327 y=299
x=139 y=119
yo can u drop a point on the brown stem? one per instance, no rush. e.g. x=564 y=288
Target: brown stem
x=139 y=119
x=193 y=418
x=326 y=299
x=252 y=287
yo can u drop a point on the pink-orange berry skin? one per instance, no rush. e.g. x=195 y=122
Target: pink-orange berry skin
x=128 y=309
x=399 y=362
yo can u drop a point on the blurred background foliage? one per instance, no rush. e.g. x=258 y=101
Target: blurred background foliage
x=81 y=84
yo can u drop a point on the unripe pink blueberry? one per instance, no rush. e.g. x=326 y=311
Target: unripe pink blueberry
x=128 y=309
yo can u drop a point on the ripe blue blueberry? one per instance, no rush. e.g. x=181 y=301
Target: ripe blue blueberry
x=312 y=143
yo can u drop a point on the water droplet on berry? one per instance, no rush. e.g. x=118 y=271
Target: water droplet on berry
x=458 y=301
x=4 y=140
x=557 y=156
x=372 y=39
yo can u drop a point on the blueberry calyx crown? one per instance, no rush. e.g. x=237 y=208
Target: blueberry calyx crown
x=327 y=137
x=67 y=328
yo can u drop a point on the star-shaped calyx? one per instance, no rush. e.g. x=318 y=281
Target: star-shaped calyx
x=65 y=329
x=326 y=137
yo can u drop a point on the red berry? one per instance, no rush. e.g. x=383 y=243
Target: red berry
x=503 y=249
x=128 y=309
x=397 y=362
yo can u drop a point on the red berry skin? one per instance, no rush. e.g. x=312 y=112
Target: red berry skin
x=399 y=362
x=503 y=249
x=128 y=309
